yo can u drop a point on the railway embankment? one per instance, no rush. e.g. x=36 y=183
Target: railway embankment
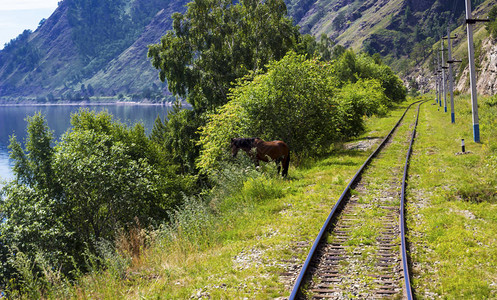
x=251 y=240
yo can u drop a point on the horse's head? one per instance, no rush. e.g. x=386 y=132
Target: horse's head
x=234 y=147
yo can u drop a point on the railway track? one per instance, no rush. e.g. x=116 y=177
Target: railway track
x=360 y=251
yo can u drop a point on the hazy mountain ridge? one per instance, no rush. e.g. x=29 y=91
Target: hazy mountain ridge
x=131 y=66
x=69 y=61
x=77 y=52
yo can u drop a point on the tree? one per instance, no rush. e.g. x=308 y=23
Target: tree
x=34 y=168
x=217 y=41
x=98 y=179
x=178 y=136
x=351 y=67
x=339 y=21
x=32 y=218
x=302 y=102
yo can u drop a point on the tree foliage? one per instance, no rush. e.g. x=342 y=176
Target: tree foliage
x=351 y=67
x=100 y=177
x=177 y=135
x=217 y=41
x=492 y=25
x=307 y=103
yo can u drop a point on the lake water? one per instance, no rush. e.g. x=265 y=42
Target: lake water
x=12 y=121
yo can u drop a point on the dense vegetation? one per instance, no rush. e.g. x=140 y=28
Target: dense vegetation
x=101 y=177
x=307 y=103
x=243 y=237
x=245 y=70
x=215 y=42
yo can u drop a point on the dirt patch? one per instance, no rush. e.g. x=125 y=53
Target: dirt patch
x=363 y=145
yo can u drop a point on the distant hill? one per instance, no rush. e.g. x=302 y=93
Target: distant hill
x=98 y=48
x=88 y=48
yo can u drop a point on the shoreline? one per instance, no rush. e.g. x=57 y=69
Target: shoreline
x=85 y=103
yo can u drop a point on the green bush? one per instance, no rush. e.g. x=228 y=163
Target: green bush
x=351 y=67
x=309 y=104
x=100 y=177
x=359 y=99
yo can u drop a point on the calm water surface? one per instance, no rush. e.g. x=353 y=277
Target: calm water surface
x=12 y=121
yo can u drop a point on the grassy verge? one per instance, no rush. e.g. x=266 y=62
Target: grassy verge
x=246 y=239
x=249 y=237
x=452 y=205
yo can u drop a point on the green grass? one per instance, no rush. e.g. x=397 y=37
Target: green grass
x=451 y=205
x=259 y=226
x=256 y=227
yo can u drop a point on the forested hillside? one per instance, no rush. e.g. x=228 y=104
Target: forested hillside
x=98 y=48
x=88 y=48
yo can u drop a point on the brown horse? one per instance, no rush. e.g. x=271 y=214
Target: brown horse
x=258 y=149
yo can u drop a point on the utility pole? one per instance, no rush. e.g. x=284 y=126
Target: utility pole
x=472 y=73
x=450 y=61
x=444 y=86
x=439 y=83
x=436 y=85
x=436 y=80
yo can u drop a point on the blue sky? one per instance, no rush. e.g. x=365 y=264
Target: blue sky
x=18 y=15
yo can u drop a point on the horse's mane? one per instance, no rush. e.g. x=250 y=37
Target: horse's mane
x=244 y=142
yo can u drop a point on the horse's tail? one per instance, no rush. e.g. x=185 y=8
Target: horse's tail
x=286 y=163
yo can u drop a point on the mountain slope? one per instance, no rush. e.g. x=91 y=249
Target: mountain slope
x=88 y=48
x=51 y=58
x=98 y=48
x=131 y=71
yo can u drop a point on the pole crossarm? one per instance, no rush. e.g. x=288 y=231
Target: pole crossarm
x=453 y=61
x=474 y=21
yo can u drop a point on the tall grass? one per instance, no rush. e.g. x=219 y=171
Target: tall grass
x=452 y=204
x=232 y=241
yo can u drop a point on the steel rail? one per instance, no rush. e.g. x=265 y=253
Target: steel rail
x=335 y=209
x=405 y=266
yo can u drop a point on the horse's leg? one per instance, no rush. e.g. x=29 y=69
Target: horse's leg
x=286 y=163
x=278 y=165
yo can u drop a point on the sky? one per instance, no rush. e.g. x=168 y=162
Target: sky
x=18 y=15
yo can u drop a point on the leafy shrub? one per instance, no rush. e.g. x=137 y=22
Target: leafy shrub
x=359 y=99
x=351 y=67
x=306 y=103
x=100 y=177
x=293 y=102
